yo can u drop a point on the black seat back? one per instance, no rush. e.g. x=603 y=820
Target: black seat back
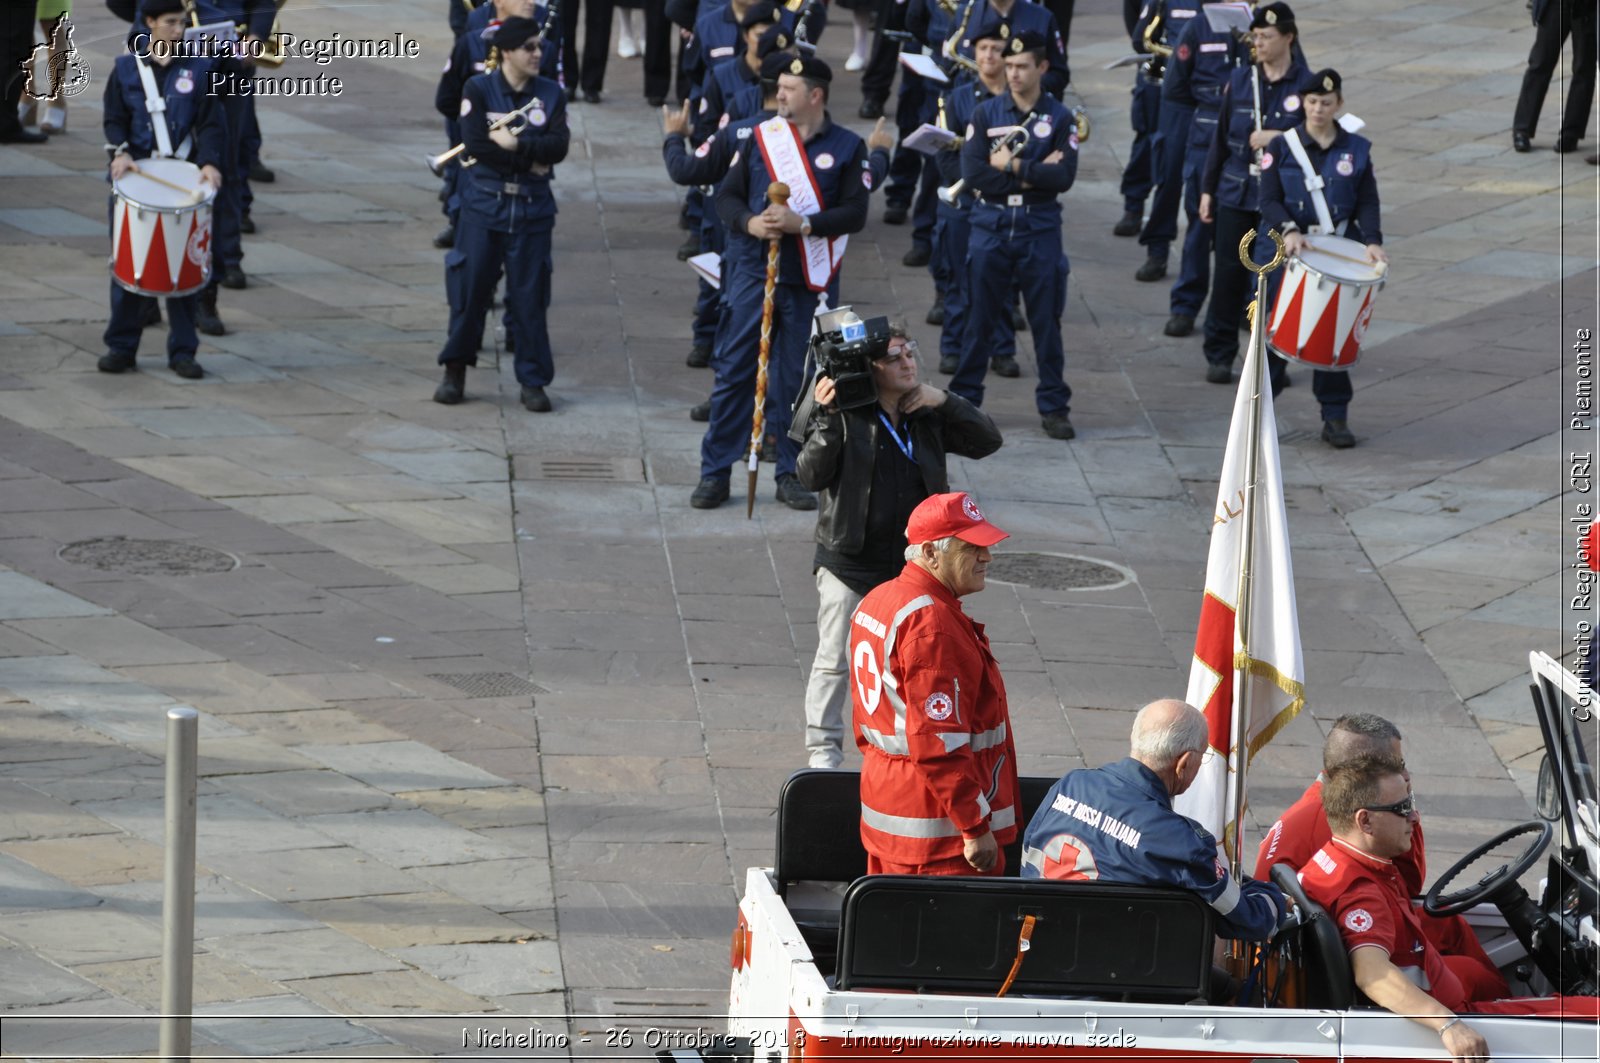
x=960 y=935
x=819 y=828
x=1330 y=982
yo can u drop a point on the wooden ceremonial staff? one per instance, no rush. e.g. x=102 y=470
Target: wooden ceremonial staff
x=778 y=196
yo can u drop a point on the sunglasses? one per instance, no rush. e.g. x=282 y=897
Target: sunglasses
x=1399 y=808
x=531 y=45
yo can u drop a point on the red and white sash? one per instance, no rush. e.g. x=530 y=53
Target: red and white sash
x=786 y=161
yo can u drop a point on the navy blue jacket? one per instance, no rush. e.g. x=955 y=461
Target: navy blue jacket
x=1227 y=171
x=1025 y=16
x=502 y=187
x=190 y=109
x=1349 y=185
x=960 y=102
x=1116 y=824
x=550 y=61
x=1051 y=128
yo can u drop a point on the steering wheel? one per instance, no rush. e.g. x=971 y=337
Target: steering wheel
x=1437 y=902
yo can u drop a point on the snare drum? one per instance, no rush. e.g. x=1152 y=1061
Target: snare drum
x=1324 y=303
x=161 y=235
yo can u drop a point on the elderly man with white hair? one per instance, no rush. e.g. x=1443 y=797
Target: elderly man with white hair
x=1116 y=824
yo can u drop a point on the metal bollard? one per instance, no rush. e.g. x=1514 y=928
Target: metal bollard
x=177 y=908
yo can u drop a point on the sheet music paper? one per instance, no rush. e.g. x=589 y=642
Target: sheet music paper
x=928 y=139
x=709 y=266
x=1230 y=15
x=924 y=65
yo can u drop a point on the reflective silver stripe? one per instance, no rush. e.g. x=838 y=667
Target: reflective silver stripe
x=988 y=739
x=953 y=741
x=920 y=827
x=1228 y=899
x=891 y=685
x=890 y=744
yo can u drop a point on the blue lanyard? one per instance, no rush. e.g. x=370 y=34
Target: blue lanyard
x=905 y=445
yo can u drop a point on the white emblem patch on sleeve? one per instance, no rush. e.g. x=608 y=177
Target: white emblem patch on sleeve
x=466 y=106
x=938 y=706
x=1358 y=919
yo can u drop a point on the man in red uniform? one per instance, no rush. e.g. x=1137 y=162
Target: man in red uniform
x=1356 y=878
x=1303 y=829
x=939 y=774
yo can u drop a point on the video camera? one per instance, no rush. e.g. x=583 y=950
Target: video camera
x=844 y=348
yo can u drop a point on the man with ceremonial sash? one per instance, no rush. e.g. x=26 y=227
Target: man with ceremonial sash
x=826 y=169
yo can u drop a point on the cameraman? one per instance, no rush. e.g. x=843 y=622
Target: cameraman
x=871 y=466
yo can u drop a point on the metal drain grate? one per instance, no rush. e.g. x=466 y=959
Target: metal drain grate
x=1057 y=572
x=490 y=684
x=147 y=557
x=586 y=470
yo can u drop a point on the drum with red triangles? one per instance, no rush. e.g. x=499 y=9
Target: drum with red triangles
x=161 y=229
x=1324 y=303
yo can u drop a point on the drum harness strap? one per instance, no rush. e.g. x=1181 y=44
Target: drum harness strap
x=157 y=106
x=1314 y=184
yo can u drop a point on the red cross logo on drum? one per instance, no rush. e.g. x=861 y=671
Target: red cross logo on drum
x=1358 y=331
x=869 y=680
x=199 y=249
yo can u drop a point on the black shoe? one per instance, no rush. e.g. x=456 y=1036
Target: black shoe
x=712 y=492
x=1337 y=435
x=1219 y=372
x=1019 y=320
x=949 y=363
x=895 y=214
x=919 y=255
x=534 y=400
x=871 y=108
x=188 y=368
x=701 y=413
x=1153 y=270
x=206 y=318
x=1179 y=325
x=1129 y=225
x=233 y=278
x=690 y=246
x=791 y=494
x=935 y=314
x=1058 y=425
x=260 y=173
x=1566 y=144
x=699 y=356
x=590 y=97
x=1520 y=142
x=1005 y=366
x=247 y=224
x=656 y=101
x=23 y=136
x=151 y=315
x=112 y=362
x=445 y=238
x=453 y=388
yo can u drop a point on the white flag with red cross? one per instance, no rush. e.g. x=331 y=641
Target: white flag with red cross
x=1222 y=665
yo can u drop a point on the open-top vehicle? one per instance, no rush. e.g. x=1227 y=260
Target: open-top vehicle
x=829 y=963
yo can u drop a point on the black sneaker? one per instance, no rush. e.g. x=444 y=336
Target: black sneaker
x=1019 y=320
x=247 y=224
x=656 y=101
x=188 y=368
x=1005 y=366
x=534 y=400
x=871 y=108
x=712 y=492
x=1219 y=372
x=112 y=362
x=1179 y=325
x=453 y=388
x=701 y=413
x=919 y=255
x=895 y=214
x=699 y=356
x=445 y=238
x=1153 y=270
x=949 y=363
x=1130 y=224
x=791 y=494
x=260 y=173
x=935 y=314
x=690 y=246
x=233 y=277
x=1337 y=435
x=1058 y=425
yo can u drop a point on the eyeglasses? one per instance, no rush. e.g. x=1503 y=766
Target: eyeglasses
x=532 y=45
x=1399 y=808
x=907 y=352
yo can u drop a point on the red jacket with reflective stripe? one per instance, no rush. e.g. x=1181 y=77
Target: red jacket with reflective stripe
x=932 y=724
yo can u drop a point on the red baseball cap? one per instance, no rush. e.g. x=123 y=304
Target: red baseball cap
x=940 y=516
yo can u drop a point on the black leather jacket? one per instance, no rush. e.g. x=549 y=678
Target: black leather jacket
x=836 y=460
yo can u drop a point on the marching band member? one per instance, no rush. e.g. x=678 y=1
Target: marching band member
x=1172 y=120
x=1016 y=225
x=826 y=169
x=507 y=214
x=1346 y=203
x=168 y=89
x=1230 y=188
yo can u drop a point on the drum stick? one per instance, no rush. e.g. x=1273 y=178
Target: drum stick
x=194 y=194
x=1381 y=267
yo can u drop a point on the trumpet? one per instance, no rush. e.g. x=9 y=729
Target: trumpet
x=513 y=122
x=950 y=194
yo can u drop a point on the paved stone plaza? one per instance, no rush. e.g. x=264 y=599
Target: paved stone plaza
x=493 y=722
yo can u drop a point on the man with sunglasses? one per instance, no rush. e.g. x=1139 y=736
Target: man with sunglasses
x=871 y=466
x=1356 y=878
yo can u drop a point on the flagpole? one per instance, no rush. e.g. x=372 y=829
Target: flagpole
x=1256 y=371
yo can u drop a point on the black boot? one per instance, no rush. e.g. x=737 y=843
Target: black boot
x=453 y=388
x=206 y=318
